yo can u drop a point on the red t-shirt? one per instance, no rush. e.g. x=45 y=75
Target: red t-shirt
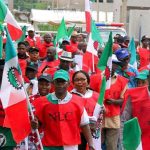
x=43 y=49
x=34 y=42
x=49 y=64
x=90 y=103
x=114 y=93
x=61 y=122
x=144 y=55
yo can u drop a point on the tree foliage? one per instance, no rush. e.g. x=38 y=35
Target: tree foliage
x=27 y=5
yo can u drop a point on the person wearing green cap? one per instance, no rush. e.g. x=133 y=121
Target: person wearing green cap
x=62 y=115
x=138 y=104
x=142 y=78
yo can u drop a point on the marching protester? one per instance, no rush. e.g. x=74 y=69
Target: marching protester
x=59 y=112
x=46 y=43
x=63 y=81
x=125 y=69
x=32 y=39
x=81 y=81
x=44 y=85
x=113 y=103
x=50 y=62
x=144 y=52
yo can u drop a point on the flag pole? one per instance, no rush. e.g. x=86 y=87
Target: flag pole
x=93 y=68
x=32 y=115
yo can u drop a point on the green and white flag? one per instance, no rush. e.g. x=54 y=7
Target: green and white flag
x=61 y=32
x=1 y=41
x=98 y=113
x=132 y=50
x=105 y=62
x=95 y=40
x=132 y=135
x=70 y=30
x=12 y=25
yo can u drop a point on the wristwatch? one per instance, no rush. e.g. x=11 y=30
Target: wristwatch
x=91 y=148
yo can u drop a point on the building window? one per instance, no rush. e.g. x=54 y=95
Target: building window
x=110 y=1
x=101 y=1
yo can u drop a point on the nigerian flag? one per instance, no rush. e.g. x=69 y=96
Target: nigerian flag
x=12 y=25
x=105 y=62
x=132 y=50
x=13 y=96
x=61 y=32
x=1 y=41
x=132 y=135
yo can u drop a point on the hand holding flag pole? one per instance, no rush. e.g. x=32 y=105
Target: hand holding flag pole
x=32 y=115
x=18 y=92
x=105 y=64
x=100 y=102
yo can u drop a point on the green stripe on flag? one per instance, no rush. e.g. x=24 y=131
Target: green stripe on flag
x=131 y=134
x=24 y=29
x=96 y=35
x=3 y=11
x=62 y=31
x=107 y=52
x=1 y=40
x=1 y=46
x=132 y=49
x=9 y=48
x=102 y=91
x=70 y=30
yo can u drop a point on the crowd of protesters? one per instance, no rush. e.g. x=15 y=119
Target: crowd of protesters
x=64 y=94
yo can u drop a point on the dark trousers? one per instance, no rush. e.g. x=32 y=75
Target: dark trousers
x=83 y=144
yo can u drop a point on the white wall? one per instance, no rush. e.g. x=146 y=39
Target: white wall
x=139 y=3
x=139 y=18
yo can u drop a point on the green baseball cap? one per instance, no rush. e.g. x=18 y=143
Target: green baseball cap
x=143 y=75
x=61 y=74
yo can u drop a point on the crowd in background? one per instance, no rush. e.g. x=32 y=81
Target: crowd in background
x=46 y=69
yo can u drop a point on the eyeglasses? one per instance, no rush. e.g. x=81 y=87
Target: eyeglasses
x=79 y=79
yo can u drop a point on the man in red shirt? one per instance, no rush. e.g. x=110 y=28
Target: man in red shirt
x=46 y=44
x=73 y=39
x=144 y=52
x=50 y=62
x=22 y=56
x=34 y=41
x=59 y=112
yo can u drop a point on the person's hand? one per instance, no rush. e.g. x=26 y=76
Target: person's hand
x=35 y=123
x=73 y=64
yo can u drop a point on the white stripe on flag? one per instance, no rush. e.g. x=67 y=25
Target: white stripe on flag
x=140 y=146
x=109 y=64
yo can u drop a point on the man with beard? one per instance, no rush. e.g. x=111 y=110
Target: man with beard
x=50 y=62
x=46 y=44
